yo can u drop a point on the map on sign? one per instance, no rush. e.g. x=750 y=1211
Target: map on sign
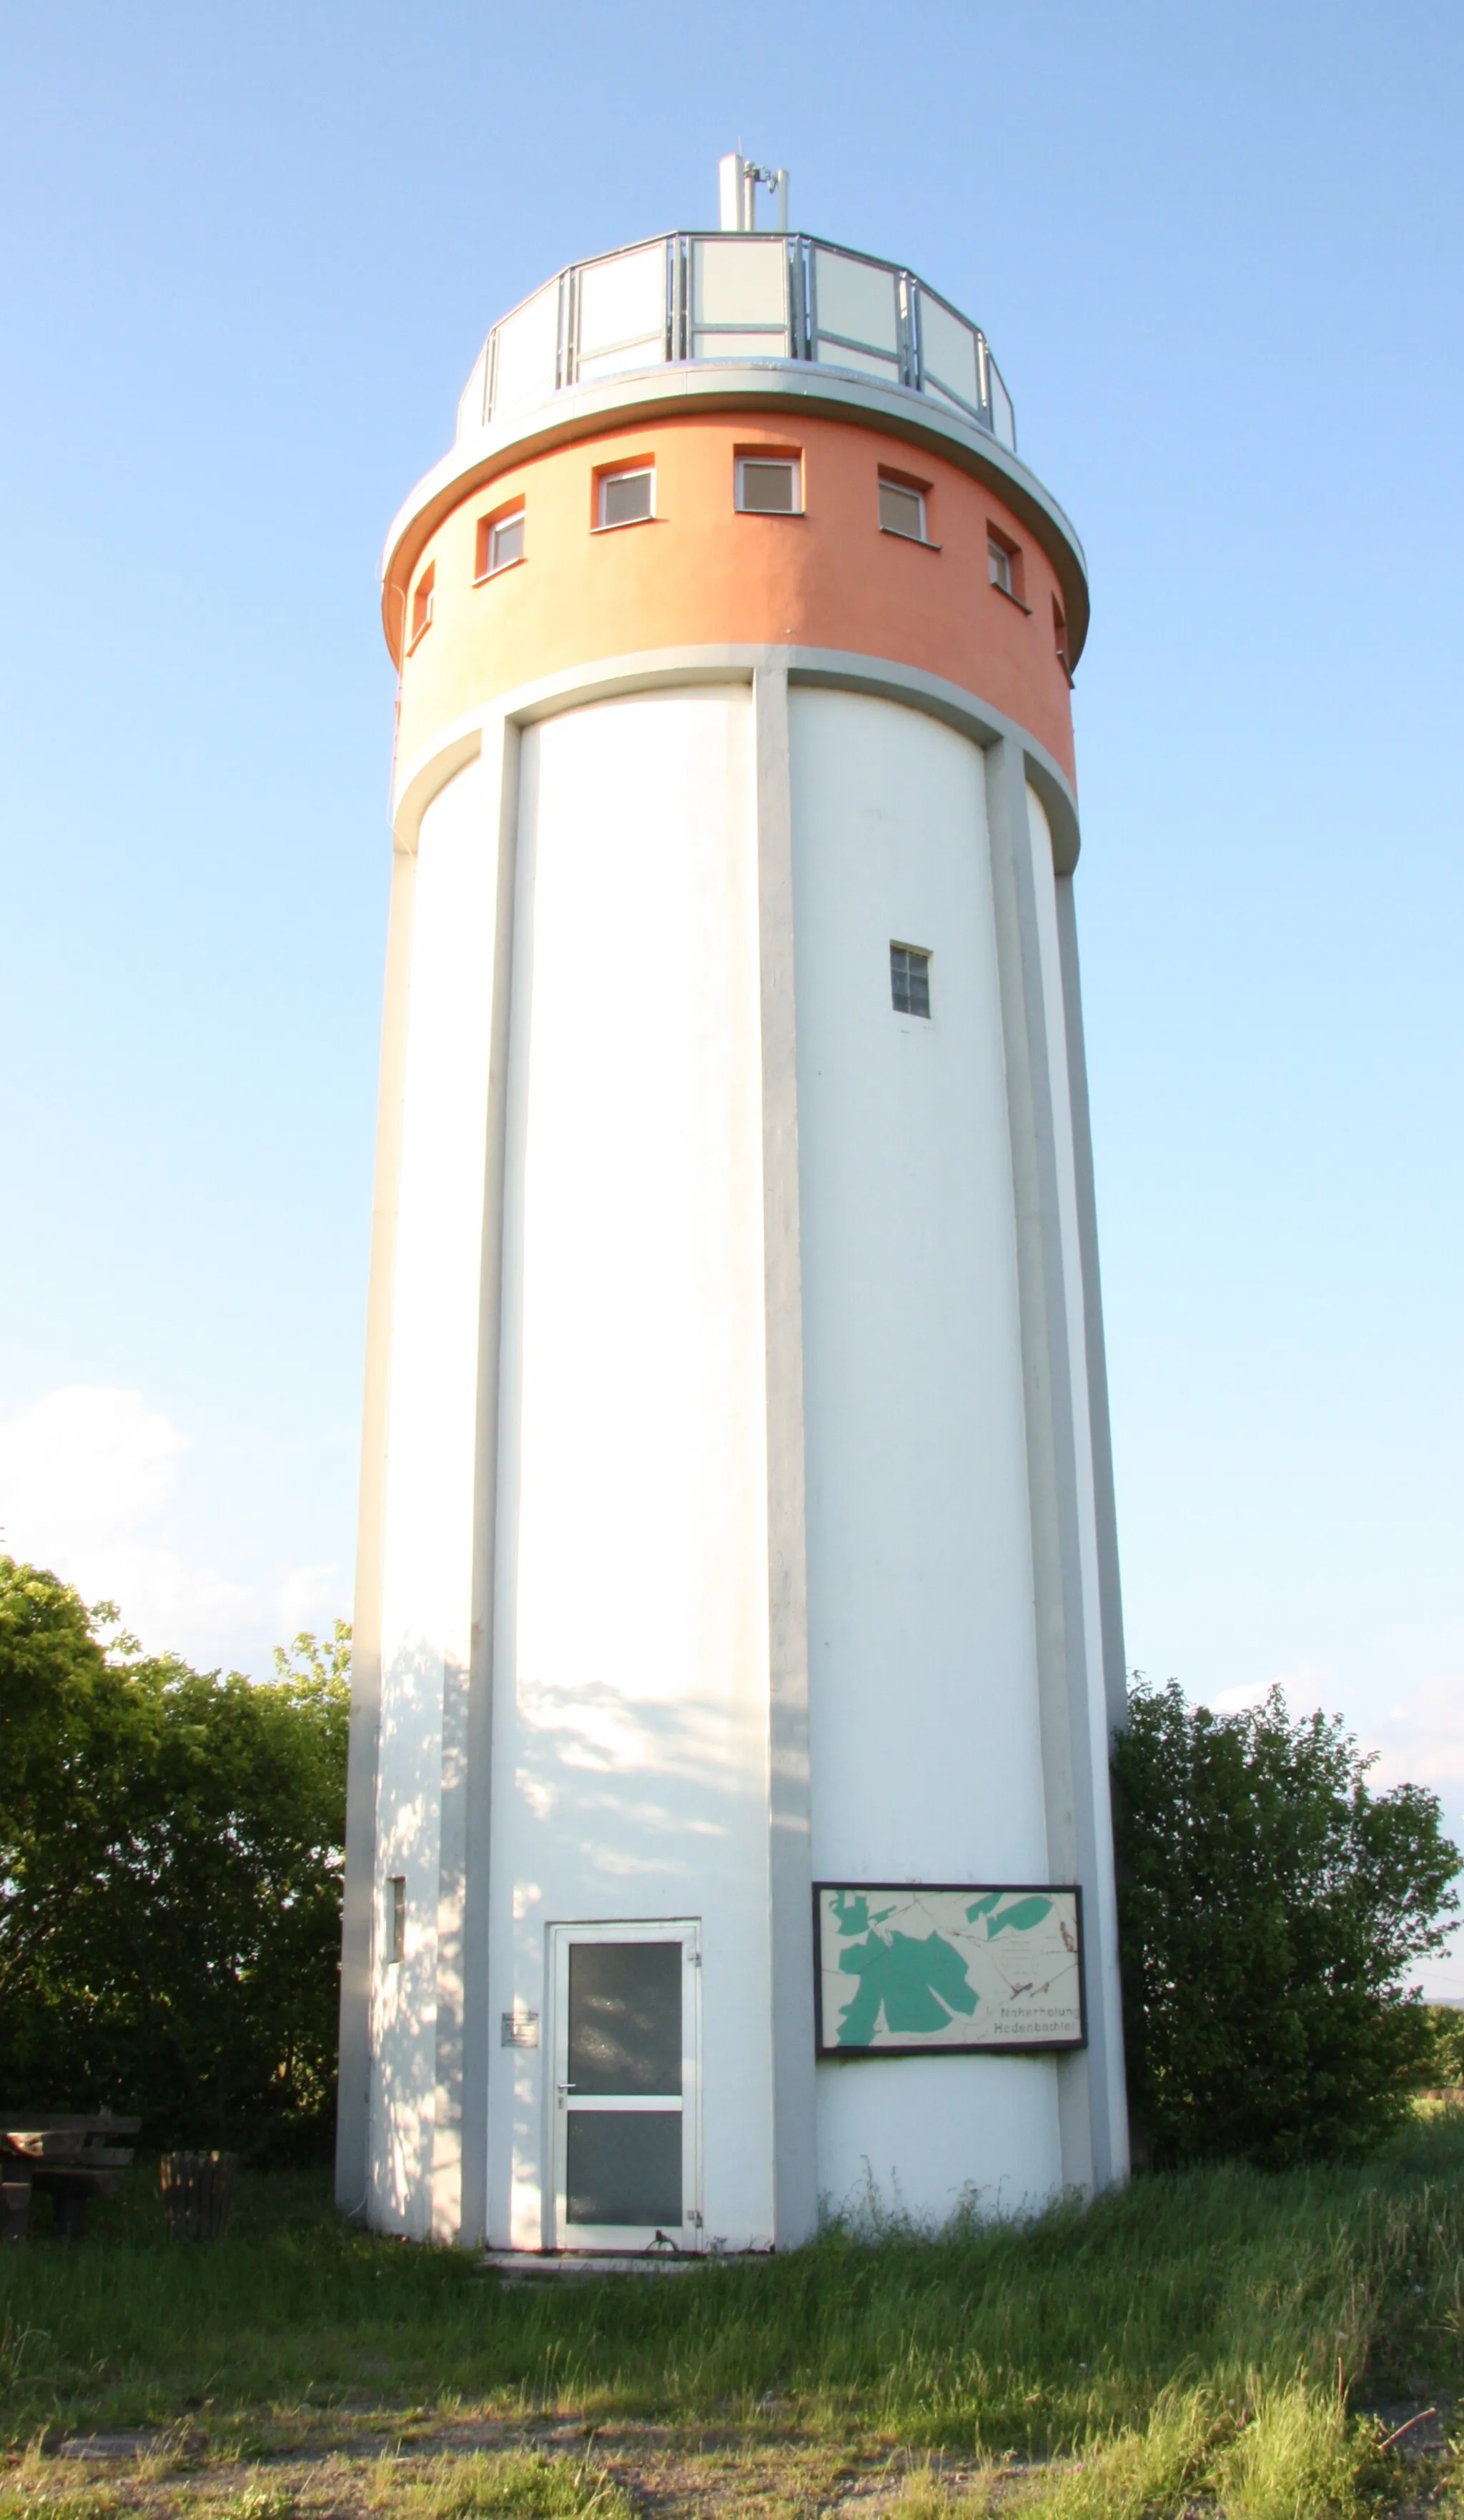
x=903 y=1969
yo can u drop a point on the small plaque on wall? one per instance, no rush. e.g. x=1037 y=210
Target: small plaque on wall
x=521 y=2029
x=903 y=1969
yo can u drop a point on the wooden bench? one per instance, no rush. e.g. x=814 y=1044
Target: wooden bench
x=67 y=2158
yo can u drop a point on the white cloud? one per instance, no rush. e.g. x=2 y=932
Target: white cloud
x=1237 y=1702
x=1420 y=1742
x=1305 y=1687
x=88 y=1487
x=82 y=1467
x=308 y=1597
x=172 y=1607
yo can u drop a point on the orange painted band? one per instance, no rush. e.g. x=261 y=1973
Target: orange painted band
x=700 y=574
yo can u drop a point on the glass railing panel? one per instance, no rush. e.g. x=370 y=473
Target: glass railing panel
x=1003 y=418
x=740 y=346
x=526 y=352
x=953 y=402
x=625 y=356
x=834 y=353
x=473 y=400
x=738 y=297
x=856 y=313
x=620 y=311
x=948 y=361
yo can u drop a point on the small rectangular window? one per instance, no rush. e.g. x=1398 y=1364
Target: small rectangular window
x=902 y=508
x=1004 y=564
x=396 y=1919
x=422 y=602
x=500 y=542
x=909 y=980
x=626 y=498
x=1061 y=638
x=768 y=485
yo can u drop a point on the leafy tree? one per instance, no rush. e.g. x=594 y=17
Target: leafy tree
x=171 y=1855
x=1270 y=1906
x=1447 y=2056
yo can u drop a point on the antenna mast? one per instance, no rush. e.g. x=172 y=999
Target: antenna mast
x=738 y=178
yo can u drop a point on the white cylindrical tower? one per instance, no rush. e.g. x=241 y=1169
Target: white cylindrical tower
x=737 y=1630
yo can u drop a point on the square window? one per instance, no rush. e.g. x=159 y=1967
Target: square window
x=422 y=602
x=768 y=485
x=396 y=1918
x=909 y=980
x=500 y=542
x=902 y=510
x=626 y=498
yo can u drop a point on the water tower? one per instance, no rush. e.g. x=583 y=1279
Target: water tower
x=737 y=1626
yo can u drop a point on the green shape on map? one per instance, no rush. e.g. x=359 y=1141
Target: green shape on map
x=850 y=1913
x=919 y=1986
x=983 y=1907
x=1021 y=1918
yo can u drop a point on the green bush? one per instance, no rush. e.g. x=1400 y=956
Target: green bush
x=1270 y=1906
x=171 y=1855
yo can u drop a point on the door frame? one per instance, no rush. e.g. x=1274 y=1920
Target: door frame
x=621 y=2239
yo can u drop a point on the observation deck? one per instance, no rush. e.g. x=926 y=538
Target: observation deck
x=779 y=301
x=698 y=321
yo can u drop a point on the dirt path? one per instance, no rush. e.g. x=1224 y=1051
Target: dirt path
x=370 y=2463
x=664 y=2472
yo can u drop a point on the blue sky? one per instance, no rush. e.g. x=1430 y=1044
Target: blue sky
x=251 y=252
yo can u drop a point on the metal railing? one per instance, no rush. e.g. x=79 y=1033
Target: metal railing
x=695 y=296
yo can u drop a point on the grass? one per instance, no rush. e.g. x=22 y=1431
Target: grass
x=1217 y=2336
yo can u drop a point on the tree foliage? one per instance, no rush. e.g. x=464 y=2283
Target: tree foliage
x=170 y=1855
x=1270 y=1906
x=1447 y=2056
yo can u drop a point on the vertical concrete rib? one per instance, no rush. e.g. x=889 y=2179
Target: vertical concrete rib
x=1089 y=2150
x=1115 y=1674
x=353 y=2110
x=446 y=2206
x=460 y=2122
x=795 y=2159
x=473 y=2222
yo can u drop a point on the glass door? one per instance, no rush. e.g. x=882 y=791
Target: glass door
x=627 y=2018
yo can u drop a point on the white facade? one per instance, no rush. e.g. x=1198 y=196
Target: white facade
x=426 y=1591
x=920 y=1583
x=741 y=1521
x=631 y=1653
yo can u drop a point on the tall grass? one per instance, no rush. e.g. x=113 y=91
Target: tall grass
x=1181 y=2303
x=521 y=2485
x=1287 y=2451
